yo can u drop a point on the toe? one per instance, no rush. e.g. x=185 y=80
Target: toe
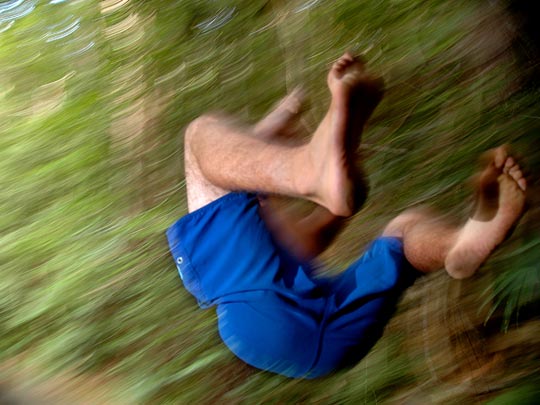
x=515 y=172
x=345 y=62
x=500 y=157
x=348 y=57
x=522 y=183
x=341 y=65
x=295 y=100
x=515 y=176
x=508 y=164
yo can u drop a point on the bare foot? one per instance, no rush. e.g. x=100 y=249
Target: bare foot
x=282 y=120
x=339 y=185
x=500 y=203
x=354 y=89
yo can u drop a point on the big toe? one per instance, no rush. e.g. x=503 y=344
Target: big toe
x=497 y=157
x=345 y=59
x=501 y=156
x=345 y=63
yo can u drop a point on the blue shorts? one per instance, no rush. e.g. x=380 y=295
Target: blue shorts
x=272 y=313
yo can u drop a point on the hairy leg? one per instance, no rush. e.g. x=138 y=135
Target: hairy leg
x=431 y=243
x=225 y=157
x=278 y=123
x=283 y=122
x=199 y=190
x=306 y=236
x=427 y=238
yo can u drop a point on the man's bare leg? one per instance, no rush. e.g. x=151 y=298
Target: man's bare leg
x=494 y=215
x=305 y=236
x=309 y=235
x=431 y=244
x=283 y=121
x=222 y=157
x=276 y=124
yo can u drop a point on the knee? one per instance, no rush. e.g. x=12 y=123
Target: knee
x=396 y=227
x=196 y=130
x=197 y=126
x=399 y=226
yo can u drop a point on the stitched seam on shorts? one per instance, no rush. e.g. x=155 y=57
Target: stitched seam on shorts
x=189 y=268
x=184 y=223
x=322 y=331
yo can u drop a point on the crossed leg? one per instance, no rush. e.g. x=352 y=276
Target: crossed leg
x=306 y=236
x=221 y=157
x=430 y=242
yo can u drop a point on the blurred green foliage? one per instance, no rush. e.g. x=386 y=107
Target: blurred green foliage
x=94 y=96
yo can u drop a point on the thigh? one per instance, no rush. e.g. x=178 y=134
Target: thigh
x=382 y=270
x=271 y=333
x=365 y=297
x=225 y=249
x=200 y=191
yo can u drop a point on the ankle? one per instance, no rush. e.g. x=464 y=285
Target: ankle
x=305 y=173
